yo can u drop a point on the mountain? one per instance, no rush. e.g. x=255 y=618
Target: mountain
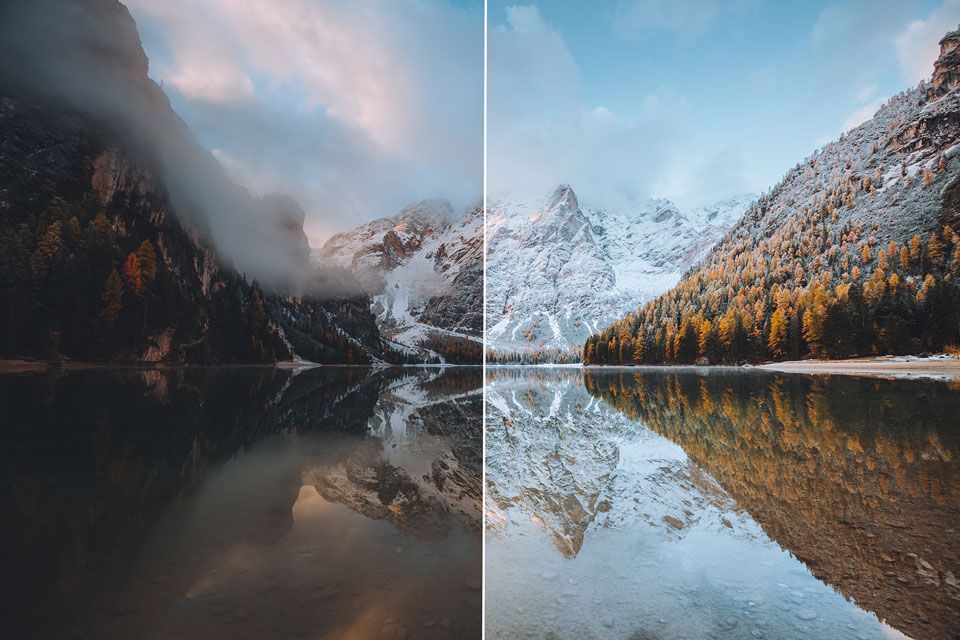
x=421 y=460
x=557 y=457
x=423 y=270
x=557 y=272
x=854 y=252
x=121 y=238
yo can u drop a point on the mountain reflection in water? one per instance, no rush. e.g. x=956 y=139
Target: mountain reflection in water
x=242 y=503
x=729 y=504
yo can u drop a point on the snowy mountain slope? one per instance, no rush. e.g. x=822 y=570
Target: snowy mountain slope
x=421 y=462
x=567 y=461
x=557 y=272
x=424 y=272
x=863 y=228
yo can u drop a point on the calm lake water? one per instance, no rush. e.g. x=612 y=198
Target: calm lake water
x=242 y=503
x=675 y=504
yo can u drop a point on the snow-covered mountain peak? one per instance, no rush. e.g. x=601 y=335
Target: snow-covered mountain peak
x=433 y=213
x=725 y=212
x=563 y=198
x=424 y=271
x=555 y=269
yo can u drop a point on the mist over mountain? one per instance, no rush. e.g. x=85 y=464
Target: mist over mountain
x=89 y=55
x=423 y=271
x=121 y=236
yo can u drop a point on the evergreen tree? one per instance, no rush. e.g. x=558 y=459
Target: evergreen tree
x=112 y=298
x=48 y=248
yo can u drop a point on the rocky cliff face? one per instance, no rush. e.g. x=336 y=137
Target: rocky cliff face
x=423 y=269
x=556 y=271
x=945 y=71
x=123 y=239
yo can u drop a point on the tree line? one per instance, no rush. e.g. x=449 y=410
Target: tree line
x=854 y=297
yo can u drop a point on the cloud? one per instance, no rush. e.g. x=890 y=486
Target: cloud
x=852 y=43
x=704 y=180
x=542 y=131
x=857 y=43
x=686 y=20
x=353 y=107
x=862 y=114
x=917 y=44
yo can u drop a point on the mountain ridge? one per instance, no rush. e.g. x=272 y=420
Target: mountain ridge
x=558 y=270
x=423 y=271
x=853 y=252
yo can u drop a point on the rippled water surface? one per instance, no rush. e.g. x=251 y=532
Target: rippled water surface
x=242 y=503
x=665 y=505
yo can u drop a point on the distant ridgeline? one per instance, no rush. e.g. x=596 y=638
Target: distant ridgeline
x=855 y=252
x=115 y=222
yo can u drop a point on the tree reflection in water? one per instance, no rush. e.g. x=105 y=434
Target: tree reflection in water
x=241 y=502
x=856 y=477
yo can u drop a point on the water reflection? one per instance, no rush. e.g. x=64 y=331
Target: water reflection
x=654 y=504
x=330 y=503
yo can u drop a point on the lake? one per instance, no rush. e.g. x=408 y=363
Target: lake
x=242 y=503
x=683 y=503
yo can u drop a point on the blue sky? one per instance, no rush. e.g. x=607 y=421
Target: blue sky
x=694 y=100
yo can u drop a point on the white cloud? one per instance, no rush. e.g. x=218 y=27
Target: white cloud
x=917 y=43
x=862 y=114
x=353 y=107
x=686 y=20
x=542 y=131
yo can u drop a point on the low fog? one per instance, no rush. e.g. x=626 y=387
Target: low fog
x=88 y=53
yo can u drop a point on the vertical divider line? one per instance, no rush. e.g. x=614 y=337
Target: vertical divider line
x=483 y=349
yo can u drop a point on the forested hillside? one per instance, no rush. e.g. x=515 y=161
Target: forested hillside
x=121 y=239
x=854 y=253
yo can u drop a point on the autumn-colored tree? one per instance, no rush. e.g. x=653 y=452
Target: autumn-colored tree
x=705 y=338
x=112 y=298
x=640 y=347
x=778 y=334
x=935 y=250
x=132 y=275
x=916 y=247
x=904 y=258
x=928 y=177
x=48 y=248
x=813 y=329
x=147 y=259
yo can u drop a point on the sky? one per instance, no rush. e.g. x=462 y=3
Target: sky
x=359 y=107
x=353 y=107
x=693 y=100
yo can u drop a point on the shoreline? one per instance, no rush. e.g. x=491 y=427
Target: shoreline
x=941 y=367
x=20 y=365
